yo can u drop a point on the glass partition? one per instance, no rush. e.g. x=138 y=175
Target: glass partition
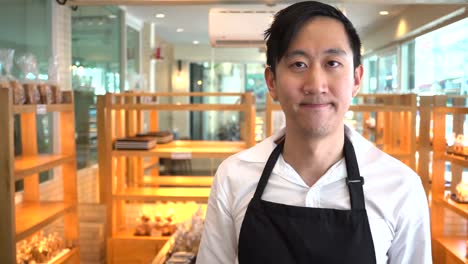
x=95 y=70
x=133 y=56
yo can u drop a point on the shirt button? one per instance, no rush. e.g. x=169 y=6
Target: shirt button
x=312 y=198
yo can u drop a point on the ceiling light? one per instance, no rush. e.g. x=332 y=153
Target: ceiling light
x=180 y=30
x=196 y=42
x=160 y=15
x=383 y=13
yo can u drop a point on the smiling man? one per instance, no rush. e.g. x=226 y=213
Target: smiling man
x=316 y=191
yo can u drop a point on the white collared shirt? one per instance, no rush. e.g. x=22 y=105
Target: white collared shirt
x=395 y=201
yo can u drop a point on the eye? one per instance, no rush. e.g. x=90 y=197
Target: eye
x=333 y=64
x=298 y=65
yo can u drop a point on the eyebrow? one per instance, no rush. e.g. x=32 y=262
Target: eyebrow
x=332 y=51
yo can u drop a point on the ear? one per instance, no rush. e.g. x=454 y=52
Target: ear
x=358 y=73
x=270 y=81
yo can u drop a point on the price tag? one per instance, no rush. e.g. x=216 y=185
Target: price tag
x=181 y=155
x=41 y=109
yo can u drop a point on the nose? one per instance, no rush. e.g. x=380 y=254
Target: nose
x=315 y=81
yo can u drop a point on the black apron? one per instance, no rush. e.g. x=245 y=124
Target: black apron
x=278 y=233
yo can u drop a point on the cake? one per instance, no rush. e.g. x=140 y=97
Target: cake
x=459 y=147
x=462 y=191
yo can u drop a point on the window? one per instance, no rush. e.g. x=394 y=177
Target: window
x=26 y=30
x=381 y=73
x=441 y=60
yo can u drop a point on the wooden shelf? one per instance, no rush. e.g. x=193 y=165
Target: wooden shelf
x=380 y=108
x=65 y=257
x=32 y=217
x=194 y=181
x=398 y=154
x=455 y=247
x=164 y=194
x=186 y=149
x=459 y=208
x=459 y=160
x=124 y=247
x=180 y=107
x=451 y=110
x=25 y=166
x=19 y=109
x=127 y=233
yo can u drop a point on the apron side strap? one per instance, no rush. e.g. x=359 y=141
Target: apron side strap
x=354 y=180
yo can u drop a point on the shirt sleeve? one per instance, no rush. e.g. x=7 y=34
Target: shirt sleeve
x=218 y=243
x=412 y=241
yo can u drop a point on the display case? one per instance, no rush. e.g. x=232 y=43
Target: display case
x=449 y=234
x=123 y=181
x=21 y=221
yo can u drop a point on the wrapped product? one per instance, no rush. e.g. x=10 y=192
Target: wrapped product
x=45 y=94
x=66 y=97
x=54 y=78
x=7 y=80
x=56 y=93
x=28 y=65
x=32 y=93
x=19 y=96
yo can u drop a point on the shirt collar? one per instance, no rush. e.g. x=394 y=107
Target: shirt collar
x=261 y=151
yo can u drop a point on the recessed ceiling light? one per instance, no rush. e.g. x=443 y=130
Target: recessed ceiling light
x=196 y=42
x=160 y=15
x=180 y=30
x=111 y=16
x=383 y=13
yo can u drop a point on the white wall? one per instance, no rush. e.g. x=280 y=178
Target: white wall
x=198 y=53
x=61 y=43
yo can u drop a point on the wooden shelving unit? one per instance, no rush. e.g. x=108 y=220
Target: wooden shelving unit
x=426 y=127
x=394 y=112
x=447 y=248
x=394 y=130
x=122 y=177
x=270 y=107
x=26 y=218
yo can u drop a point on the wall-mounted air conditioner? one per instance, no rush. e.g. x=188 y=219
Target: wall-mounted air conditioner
x=238 y=27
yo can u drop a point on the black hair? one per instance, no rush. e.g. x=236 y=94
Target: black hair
x=290 y=20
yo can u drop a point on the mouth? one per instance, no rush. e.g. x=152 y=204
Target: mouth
x=315 y=105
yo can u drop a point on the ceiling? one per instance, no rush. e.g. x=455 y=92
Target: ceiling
x=192 y=16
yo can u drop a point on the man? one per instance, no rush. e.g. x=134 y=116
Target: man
x=317 y=191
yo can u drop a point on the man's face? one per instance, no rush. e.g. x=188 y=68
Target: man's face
x=315 y=79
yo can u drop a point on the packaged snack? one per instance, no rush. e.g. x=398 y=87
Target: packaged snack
x=67 y=97
x=144 y=227
x=45 y=94
x=32 y=93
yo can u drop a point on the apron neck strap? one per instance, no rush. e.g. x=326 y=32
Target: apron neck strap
x=267 y=170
